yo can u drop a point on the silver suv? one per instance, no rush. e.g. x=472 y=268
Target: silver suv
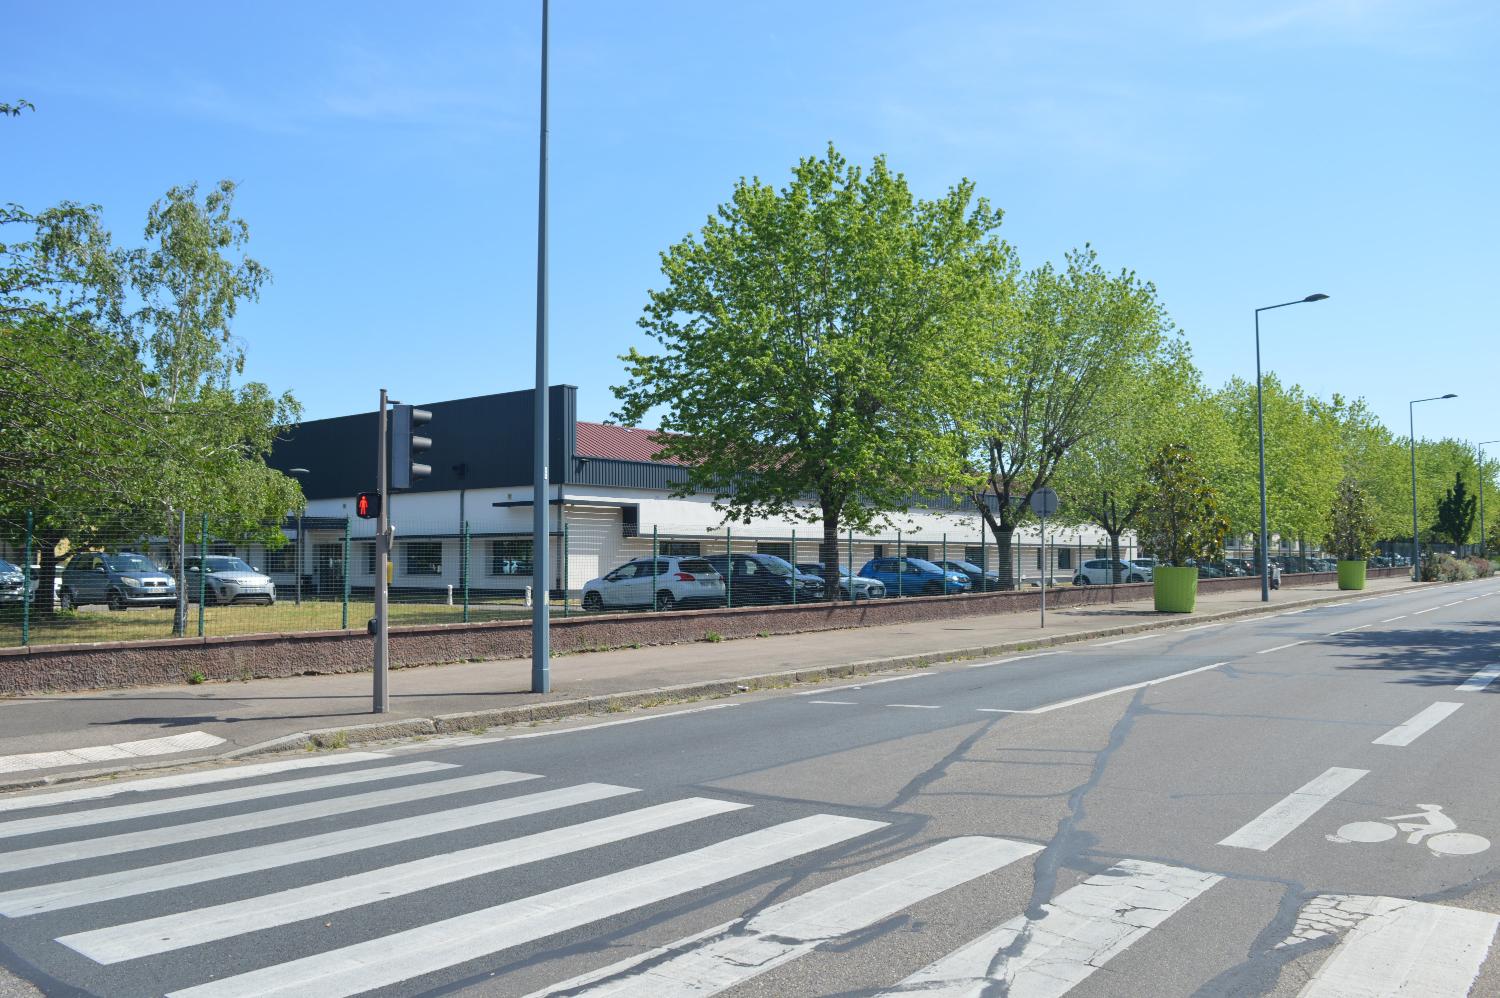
x=116 y=580
x=1104 y=571
x=673 y=580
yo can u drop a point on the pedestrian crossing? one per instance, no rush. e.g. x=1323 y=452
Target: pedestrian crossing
x=218 y=888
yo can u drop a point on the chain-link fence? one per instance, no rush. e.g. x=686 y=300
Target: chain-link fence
x=98 y=582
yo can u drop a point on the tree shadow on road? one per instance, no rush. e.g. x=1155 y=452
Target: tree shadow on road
x=1427 y=656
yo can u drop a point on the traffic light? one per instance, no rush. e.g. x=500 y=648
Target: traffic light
x=367 y=505
x=407 y=443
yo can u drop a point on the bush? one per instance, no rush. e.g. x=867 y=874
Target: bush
x=1450 y=569
x=1482 y=567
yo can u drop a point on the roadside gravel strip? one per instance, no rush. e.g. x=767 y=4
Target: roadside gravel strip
x=473 y=722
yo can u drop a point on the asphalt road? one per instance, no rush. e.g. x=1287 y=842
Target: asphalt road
x=1293 y=805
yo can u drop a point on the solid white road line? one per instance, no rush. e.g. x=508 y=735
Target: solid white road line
x=1480 y=679
x=1293 y=644
x=133 y=940
x=180 y=781
x=916 y=706
x=1082 y=929
x=860 y=686
x=1203 y=627
x=739 y=951
x=1105 y=693
x=1410 y=730
x=386 y=960
x=1407 y=948
x=1389 y=620
x=151 y=838
x=1281 y=818
x=612 y=724
x=1121 y=641
x=216 y=798
x=1014 y=658
x=188 y=741
x=237 y=862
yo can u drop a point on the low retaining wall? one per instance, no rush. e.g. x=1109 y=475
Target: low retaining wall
x=63 y=668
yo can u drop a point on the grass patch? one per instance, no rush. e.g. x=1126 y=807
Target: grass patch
x=196 y=678
x=712 y=637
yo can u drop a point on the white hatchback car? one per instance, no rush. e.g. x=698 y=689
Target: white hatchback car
x=1104 y=571
x=674 y=581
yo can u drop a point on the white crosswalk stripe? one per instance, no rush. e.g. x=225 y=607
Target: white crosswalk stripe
x=783 y=932
x=64 y=852
x=394 y=958
x=253 y=859
x=133 y=940
x=1083 y=928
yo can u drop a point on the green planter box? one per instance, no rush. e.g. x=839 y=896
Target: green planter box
x=1176 y=589
x=1351 y=575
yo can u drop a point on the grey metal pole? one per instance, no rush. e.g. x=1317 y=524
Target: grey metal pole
x=1260 y=423
x=1044 y=570
x=541 y=667
x=382 y=561
x=1416 y=551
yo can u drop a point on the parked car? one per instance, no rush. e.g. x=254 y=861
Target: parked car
x=12 y=584
x=1207 y=571
x=116 y=580
x=1104 y=571
x=679 y=581
x=1144 y=567
x=980 y=581
x=764 y=578
x=863 y=588
x=227 y=580
x=1238 y=567
x=914 y=577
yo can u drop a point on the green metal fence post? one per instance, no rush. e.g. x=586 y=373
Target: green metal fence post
x=850 y=566
x=794 y=568
x=900 y=567
x=26 y=582
x=945 y=564
x=654 y=550
x=202 y=567
x=465 y=565
x=565 y=569
x=729 y=566
x=344 y=623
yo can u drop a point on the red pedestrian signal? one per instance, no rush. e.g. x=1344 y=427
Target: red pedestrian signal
x=367 y=505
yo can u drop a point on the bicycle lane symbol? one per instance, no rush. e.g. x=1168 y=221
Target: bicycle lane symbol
x=1428 y=826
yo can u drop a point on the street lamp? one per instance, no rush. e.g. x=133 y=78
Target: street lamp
x=299 y=472
x=1483 y=546
x=1260 y=421
x=1416 y=541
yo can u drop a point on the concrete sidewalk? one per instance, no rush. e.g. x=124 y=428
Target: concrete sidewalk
x=49 y=738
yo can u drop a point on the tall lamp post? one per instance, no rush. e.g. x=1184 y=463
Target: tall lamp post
x=1416 y=541
x=541 y=652
x=1483 y=544
x=1260 y=424
x=301 y=549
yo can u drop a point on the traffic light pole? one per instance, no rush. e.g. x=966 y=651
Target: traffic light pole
x=382 y=561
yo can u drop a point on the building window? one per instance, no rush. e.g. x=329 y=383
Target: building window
x=367 y=553
x=282 y=559
x=879 y=551
x=918 y=551
x=510 y=557
x=974 y=554
x=1064 y=557
x=681 y=549
x=1038 y=557
x=423 y=557
x=782 y=551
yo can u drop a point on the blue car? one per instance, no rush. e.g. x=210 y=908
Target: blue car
x=914 y=577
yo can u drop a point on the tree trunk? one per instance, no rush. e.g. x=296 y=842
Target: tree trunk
x=1003 y=556
x=1116 y=572
x=43 y=603
x=179 y=612
x=828 y=554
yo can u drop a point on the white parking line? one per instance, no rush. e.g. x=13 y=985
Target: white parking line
x=1283 y=817
x=1410 y=730
x=1103 y=693
x=1267 y=651
x=1480 y=679
x=1121 y=641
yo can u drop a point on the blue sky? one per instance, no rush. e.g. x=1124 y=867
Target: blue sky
x=1236 y=153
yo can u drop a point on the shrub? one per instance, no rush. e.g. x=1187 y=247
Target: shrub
x=1447 y=568
x=1352 y=523
x=1482 y=567
x=1180 y=522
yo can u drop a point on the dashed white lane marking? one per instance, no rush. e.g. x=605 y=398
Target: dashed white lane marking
x=860 y=686
x=188 y=741
x=133 y=940
x=611 y=724
x=1424 y=721
x=1348 y=629
x=217 y=798
x=1292 y=644
x=1480 y=679
x=836 y=703
x=1389 y=620
x=710 y=962
x=1399 y=947
x=182 y=780
x=916 y=706
x=1121 y=641
x=1081 y=929
x=1418 y=613
x=1014 y=658
x=1103 y=693
x=1204 y=627
x=151 y=838
x=400 y=956
x=254 y=859
x=1283 y=817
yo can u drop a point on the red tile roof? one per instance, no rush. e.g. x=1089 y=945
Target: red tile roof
x=618 y=443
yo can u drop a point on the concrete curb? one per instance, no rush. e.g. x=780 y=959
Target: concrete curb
x=554 y=710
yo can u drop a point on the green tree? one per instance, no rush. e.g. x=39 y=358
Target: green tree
x=1455 y=512
x=1353 y=526
x=1180 y=520
x=813 y=342
x=1057 y=352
